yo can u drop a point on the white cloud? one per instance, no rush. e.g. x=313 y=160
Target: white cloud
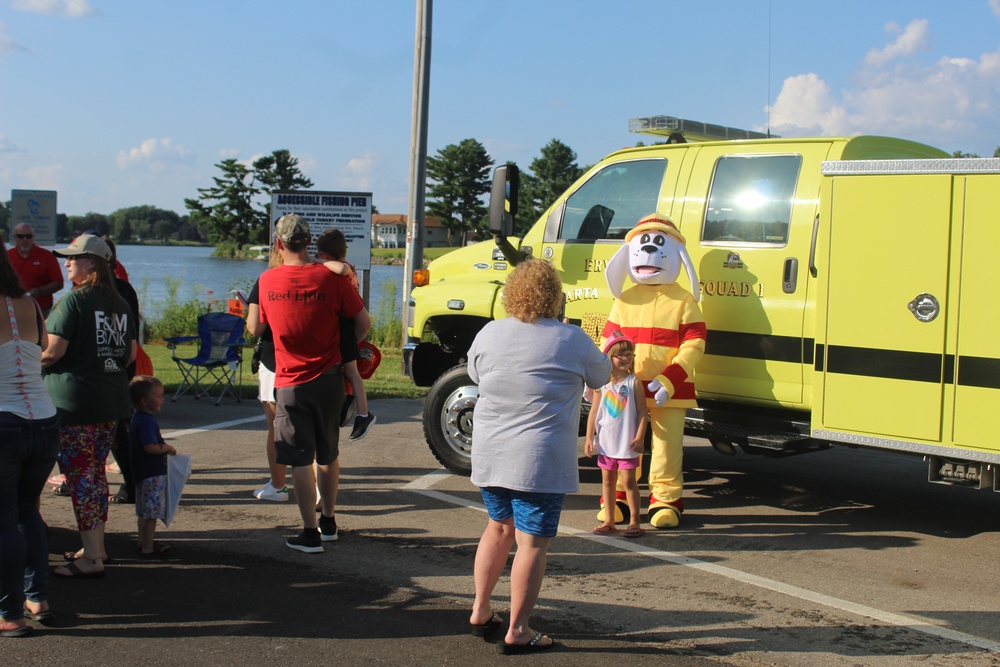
x=7 y=44
x=48 y=177
x=915 y=39
x=360 y=172
x=70 y=8
x=156 y=155
x=806 y=103
x=6 y=146
x=227 y=153
x=949 y=103
x=995 y=7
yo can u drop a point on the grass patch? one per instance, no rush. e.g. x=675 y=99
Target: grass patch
x=388 y=381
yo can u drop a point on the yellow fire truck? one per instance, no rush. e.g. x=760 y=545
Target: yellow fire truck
x=844 y=282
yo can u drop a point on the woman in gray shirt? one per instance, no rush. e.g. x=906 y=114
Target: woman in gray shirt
x=531 y=370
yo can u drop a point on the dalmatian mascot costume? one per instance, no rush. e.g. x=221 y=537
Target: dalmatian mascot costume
x=666 y=324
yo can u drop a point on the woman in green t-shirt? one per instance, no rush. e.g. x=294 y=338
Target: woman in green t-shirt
x=91 y=341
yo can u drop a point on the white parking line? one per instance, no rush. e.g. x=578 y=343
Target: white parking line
x=211 y=427
x=423 y=486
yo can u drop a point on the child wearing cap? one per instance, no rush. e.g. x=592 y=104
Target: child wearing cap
x=616 y=429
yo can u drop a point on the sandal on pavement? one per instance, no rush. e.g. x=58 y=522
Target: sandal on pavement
x=159 y=549
x=487 y=629
x=531 y=647
x=73 y=555
x=16 y=631
x=633 y=531
x=605 y=530
x=76 y=573
x=43 y=617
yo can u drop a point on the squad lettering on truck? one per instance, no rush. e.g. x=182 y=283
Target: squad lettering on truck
x=729 y=288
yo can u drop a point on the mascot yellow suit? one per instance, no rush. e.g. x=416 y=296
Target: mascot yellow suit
x=666 y=324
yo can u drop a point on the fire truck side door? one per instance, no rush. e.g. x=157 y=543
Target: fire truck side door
x=745 y=214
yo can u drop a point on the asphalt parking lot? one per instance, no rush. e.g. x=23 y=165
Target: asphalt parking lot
x=777 y=566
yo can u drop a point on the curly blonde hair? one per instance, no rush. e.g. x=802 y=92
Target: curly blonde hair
x=533 y=290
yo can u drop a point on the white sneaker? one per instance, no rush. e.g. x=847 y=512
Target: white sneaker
x=268 y=492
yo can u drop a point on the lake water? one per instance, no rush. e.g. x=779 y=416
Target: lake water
x=152 y=269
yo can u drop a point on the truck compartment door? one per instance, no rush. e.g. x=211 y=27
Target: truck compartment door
x=977 y=389
x=883 y=363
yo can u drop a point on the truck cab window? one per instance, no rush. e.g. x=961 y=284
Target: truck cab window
x=612 y=200
x=750 y=201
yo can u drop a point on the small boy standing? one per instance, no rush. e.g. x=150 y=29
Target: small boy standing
x=148 y=454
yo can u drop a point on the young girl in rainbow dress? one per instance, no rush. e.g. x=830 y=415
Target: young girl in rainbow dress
x=616 y=428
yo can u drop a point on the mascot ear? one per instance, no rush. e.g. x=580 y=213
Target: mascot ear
x=692 y=276
x=617 y=270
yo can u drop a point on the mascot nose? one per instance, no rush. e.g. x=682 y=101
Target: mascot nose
x=649 y=248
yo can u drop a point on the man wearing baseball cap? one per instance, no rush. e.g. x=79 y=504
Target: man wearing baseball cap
x=303 y=302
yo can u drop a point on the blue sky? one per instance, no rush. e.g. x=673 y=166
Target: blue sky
x=117 y=103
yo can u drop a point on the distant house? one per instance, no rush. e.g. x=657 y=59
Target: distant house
x=389 y=231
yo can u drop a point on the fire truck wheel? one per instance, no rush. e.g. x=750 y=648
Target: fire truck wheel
x=448 y=419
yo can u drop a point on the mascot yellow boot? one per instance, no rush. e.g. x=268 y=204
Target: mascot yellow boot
x=666 y=324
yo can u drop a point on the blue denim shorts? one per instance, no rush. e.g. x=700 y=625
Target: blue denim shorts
x=534 y=513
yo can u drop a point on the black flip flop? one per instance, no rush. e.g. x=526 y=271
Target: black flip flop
x=42 y=617
x=77 y=573
x=519 y=649
x=18 y=632
x=487 y=629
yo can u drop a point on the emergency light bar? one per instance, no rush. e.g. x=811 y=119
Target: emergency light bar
x=679 y=130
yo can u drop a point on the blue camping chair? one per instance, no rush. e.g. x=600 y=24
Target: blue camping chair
x=220 y=357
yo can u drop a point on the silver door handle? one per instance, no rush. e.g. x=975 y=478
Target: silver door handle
x=924 y=307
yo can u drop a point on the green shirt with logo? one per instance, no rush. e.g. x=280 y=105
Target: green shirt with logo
x=89 y=384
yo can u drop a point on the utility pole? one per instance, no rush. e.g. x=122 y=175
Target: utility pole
x=418 y=155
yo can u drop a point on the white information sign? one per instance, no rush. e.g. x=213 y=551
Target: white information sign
x=38 y=209
x=350 y=212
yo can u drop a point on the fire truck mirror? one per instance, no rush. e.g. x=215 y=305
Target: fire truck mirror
x=503 y=200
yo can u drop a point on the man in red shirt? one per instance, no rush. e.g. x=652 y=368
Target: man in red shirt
x=37 y=268
x=303 y=302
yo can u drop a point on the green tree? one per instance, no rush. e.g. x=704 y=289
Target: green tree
x=233 y=210
x=277 y=171
x=461 y=177
x=996 y=153
x=280 y=171
x=228 y=206
x=78 y=224
x=142 y=222
x=963 y=154
x=554 y=170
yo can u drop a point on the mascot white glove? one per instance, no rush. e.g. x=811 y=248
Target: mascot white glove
x=660 y=394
